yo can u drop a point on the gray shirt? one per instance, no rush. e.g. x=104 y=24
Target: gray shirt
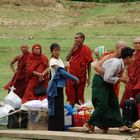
x=112 y=68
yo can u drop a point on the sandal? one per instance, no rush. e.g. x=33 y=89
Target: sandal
x=88 y=128
x=124 y=129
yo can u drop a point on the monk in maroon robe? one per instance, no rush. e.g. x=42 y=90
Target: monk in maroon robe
x=36 y=65
x=18 y=80
x=80 y=58
x=132 y=88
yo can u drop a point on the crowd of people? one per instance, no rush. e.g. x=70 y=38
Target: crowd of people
x=34 y=68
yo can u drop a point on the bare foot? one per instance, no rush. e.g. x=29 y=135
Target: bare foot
x=104 y=129
x=88 y=127
x=124 y=129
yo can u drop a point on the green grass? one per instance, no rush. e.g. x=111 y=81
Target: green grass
x=103 y=24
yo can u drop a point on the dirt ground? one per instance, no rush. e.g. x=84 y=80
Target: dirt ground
x=20 y=2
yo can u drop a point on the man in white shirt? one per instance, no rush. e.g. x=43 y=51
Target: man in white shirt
x=116 y=54
x=105 y=102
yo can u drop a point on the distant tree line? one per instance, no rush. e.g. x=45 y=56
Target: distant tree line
x=106 y=1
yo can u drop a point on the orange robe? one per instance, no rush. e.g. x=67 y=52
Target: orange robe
x=78 y=65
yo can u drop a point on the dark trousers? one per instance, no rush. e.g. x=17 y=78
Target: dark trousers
x=56 y=122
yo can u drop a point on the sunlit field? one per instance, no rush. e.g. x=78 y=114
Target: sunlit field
x=30 y=23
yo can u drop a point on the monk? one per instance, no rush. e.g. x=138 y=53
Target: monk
x=80 y=58
x=18 y=80
x=132 y=88
x=116 y=54
x=36 y=65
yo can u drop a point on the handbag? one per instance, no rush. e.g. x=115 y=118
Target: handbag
x=40 y=89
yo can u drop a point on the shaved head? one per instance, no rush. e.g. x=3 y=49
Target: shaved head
x=120 y=44
x=136 y=43
x=137 y=39
x=24 y=48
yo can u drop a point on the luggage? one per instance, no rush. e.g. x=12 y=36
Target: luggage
x=18 y=119
x=81 y=116
x=38 y=119
x=129 y=112
x=68 y=119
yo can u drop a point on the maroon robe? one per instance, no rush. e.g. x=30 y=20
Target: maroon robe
x=78 y=67
x=18 y=80
x=38 y=64
x=132 y=88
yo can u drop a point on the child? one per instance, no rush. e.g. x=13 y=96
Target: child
x=55 y=90
x=55 y=60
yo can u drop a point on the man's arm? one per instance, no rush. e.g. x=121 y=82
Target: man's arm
x=124 y=79
x=76 y=45
x=89 y=74
x=40 y=75
x=98 y=66
x=68 y=57
x=16 y=59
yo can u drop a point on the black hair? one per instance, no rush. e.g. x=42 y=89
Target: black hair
x=127 y=52
x=81 y=35
x=53 y=46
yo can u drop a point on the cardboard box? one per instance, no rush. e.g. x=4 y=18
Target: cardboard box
x=38 y=120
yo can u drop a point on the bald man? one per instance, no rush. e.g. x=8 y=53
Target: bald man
x=132 y=88
x=18 y=80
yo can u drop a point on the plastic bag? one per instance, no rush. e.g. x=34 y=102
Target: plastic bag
x=68 y=109
x=35 y=104
x=44 y=103
x=12 y=99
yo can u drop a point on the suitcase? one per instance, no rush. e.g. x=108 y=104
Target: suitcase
x=18 y=119
x=129 y=112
